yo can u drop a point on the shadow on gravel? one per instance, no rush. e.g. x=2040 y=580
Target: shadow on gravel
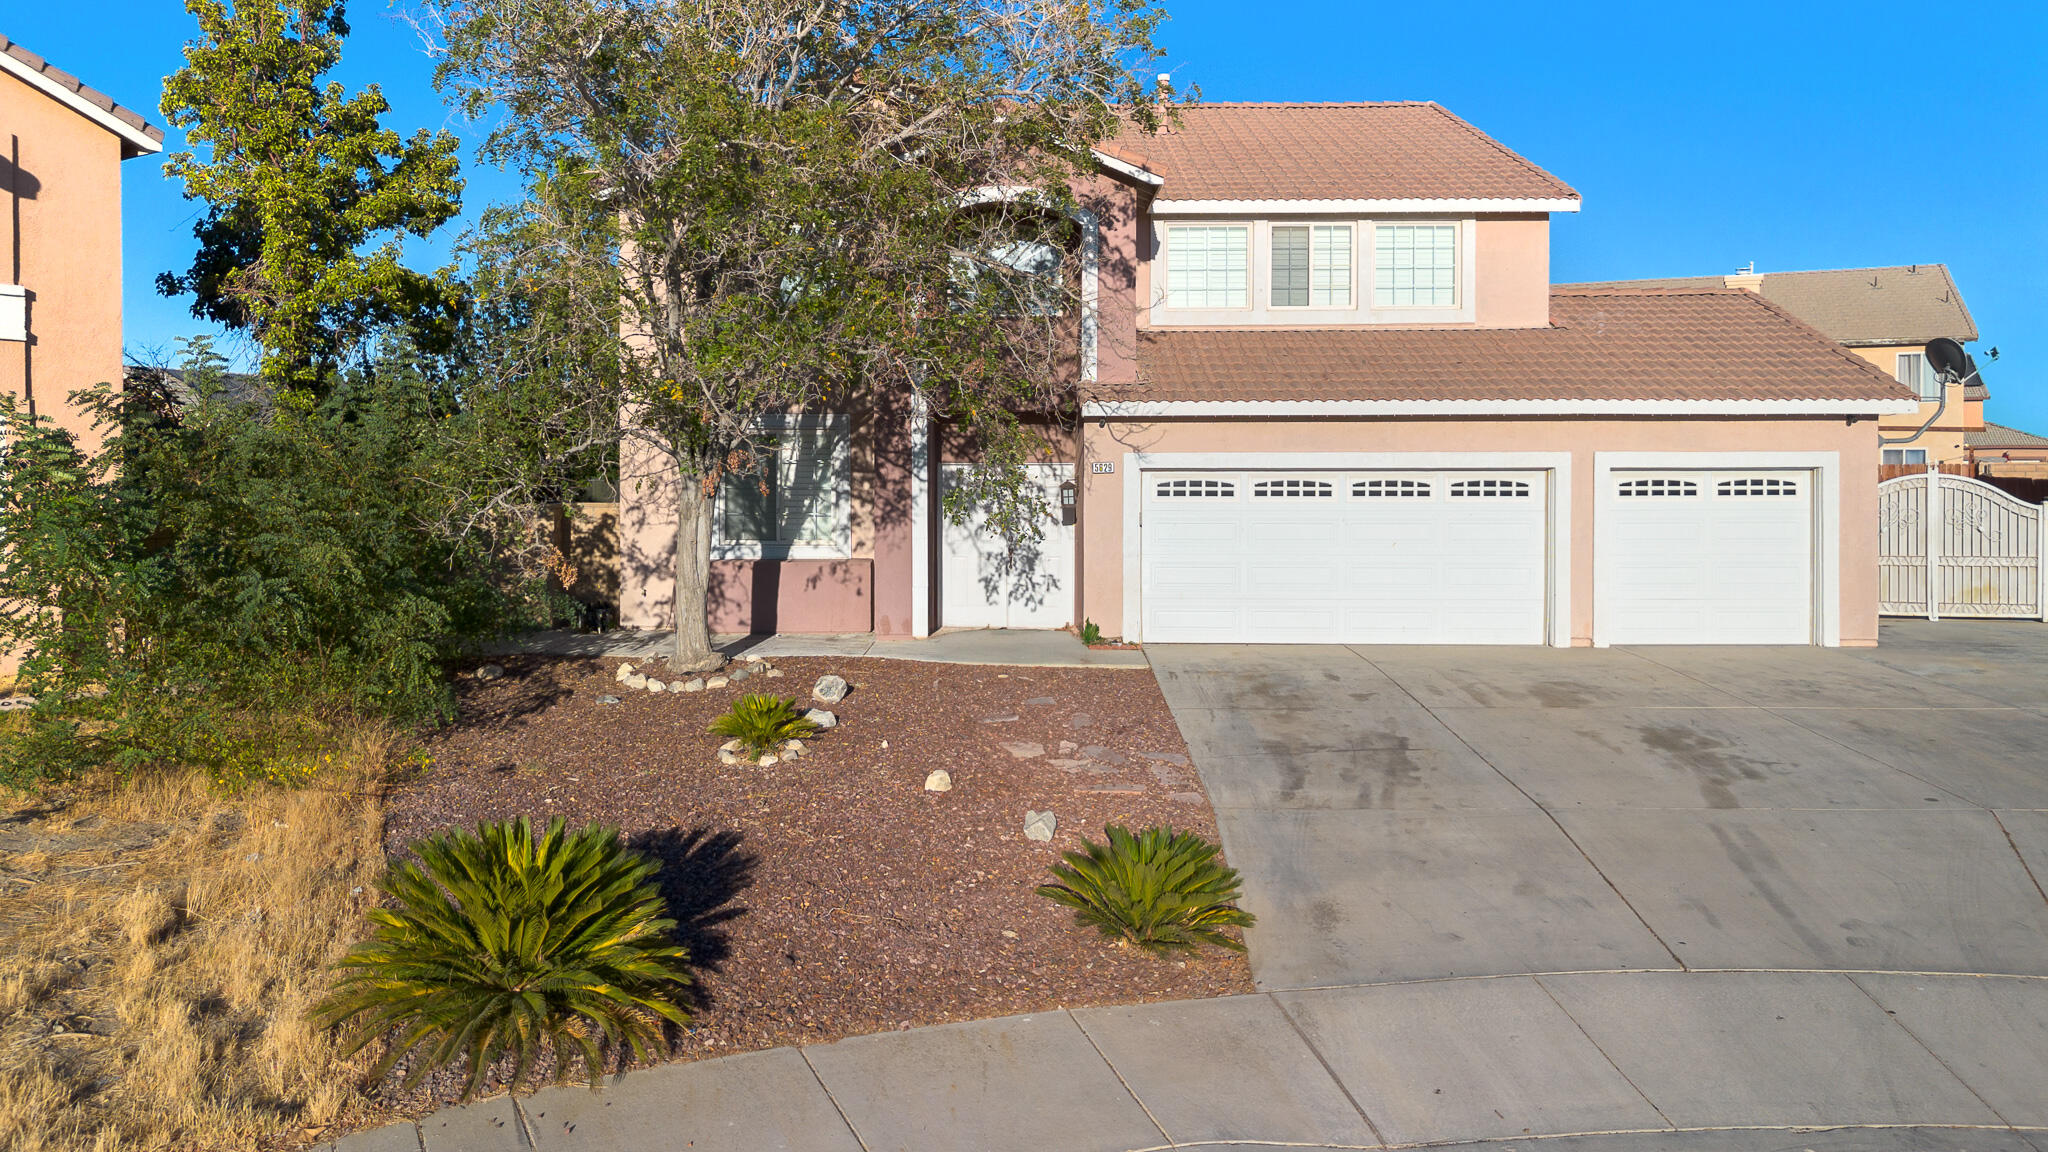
x=702 y=875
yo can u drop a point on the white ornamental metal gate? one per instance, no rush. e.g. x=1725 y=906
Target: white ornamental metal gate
x=1981 y=550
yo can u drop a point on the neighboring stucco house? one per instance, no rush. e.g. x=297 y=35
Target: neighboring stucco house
x=1330 y=395
x=61 y=148
x=1887 y=316
x=1995 y=450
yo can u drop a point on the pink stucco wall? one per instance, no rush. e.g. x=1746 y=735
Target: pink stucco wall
x=1512 y=271
x=1102 y=527
x=765 y=596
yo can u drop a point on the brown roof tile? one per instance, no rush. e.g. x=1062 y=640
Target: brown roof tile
x=1999 y=436
x=1907 y=304
x=1379 y=151
x=72 y=83
x=1635 y=345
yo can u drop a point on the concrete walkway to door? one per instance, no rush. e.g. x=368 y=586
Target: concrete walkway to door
x=1661 y=900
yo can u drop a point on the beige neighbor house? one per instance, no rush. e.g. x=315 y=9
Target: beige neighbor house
x=60 y=231
x=1887 y=316
x=1328 y=394
x=61 y=148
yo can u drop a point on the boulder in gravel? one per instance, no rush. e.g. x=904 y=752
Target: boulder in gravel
x=1081 y=720
x=654 y=685
x=769 y=761
x=773 y=674
x=940 y=780
x=1039 y=825
x=821 y=718
x=794 y=748
x=732 y=745
x=728 y=756
x=491 y=672
x=607 y=699
x=1068 y=747
x=637 y=682
x=694 y=684
x=829 y=689
x=624 y=671
x=717 y=682
x=739 y=674
x=1023 y=749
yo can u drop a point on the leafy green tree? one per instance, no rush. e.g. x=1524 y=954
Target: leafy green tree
x=504 y=942
x=305 y=190
x=742 y=207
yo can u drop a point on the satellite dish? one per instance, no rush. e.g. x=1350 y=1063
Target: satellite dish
x=1948 y=358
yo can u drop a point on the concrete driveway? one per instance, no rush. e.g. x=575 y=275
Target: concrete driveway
x=1652 y=900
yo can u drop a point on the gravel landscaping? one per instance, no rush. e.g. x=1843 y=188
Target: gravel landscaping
x=834 y=894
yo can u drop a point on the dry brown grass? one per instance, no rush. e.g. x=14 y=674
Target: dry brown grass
x=159 y=947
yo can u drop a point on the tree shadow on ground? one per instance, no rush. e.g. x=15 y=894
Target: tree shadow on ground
x=703 y=871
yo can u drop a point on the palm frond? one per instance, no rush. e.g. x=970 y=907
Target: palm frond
x=763 y=723
x=504 y=942
x=1160 y=890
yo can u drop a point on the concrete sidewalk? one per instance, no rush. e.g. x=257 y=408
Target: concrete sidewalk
x=1767 y=1060
x=1021 y=647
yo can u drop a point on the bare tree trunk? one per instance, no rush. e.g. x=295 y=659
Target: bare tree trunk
x=693 y=651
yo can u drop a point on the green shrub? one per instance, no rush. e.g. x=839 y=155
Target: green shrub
x=1091 y=634
x=503 y=943
x=1160 y=890
x=762 y=723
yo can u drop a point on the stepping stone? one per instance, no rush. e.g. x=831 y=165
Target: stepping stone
x=1005 y=718
x=1081 y=720
x=1104 y=753
x=1023 y=749
x=1039 y=702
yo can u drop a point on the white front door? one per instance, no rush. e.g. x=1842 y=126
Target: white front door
x=1344 y=557
x=1707 y=557
x=986 y=581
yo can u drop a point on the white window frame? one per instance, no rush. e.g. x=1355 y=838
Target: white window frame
x=841 y=546
x=1252 y=256
x=1351 y=282
x=1460 y=282
x=1929 y=380
x=1905 y=456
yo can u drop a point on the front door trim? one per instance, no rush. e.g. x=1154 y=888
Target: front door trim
x=1559 y=493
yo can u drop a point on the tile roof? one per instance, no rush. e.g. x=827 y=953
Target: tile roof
x=1999 y=436
x=1677 y=345
x=1377 y=151
x=1907 y=304
x=73 y=84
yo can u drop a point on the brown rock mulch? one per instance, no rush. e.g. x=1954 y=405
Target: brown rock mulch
x=833 y=896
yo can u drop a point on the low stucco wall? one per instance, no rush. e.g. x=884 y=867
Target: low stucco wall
x=762 y=596
x=1102 y=510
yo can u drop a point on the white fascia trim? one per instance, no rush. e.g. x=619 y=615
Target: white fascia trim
x=79 y=104
x=1124 y=168
x=920 y=518
x=1557 y=464
x=1827 y=520
x=1365 y=207
x=1198 y=409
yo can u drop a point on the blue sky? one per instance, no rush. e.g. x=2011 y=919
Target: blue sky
x=1796 y=134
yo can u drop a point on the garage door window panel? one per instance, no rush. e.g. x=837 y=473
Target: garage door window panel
x=1196 y=490
x=1294 y=489
x=1757 y=486
x=1659 y=488
x=1489 y=489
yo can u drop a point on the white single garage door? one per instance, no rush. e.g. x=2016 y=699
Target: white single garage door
x=1344 y=557
x=1707 y=558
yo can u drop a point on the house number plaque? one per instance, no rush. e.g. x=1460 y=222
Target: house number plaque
x=1102 y=467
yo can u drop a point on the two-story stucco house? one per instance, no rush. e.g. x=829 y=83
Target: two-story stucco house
x=1329 y=395
x=1887 y=316
x=61 y=148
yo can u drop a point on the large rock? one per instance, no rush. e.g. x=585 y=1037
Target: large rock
x=694 y=684
x=1039 y=825
x=939 y=781
x=654 y=685
x=636 y=681
x=624 y=671
x=491 y=672
x=716 y=682
x=829 y=689
x=821 y=718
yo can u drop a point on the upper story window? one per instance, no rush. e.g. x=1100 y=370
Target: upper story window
x=1312 y=266
x=1415 y=266
x=1208 y=267
x=1916 y=373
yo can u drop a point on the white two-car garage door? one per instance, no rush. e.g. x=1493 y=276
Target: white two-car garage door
x=1349 y=557
x=1700 y=557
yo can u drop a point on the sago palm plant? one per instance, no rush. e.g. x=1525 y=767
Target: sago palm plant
x=763 y=723
x=507 y=942
x=1160 y=890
